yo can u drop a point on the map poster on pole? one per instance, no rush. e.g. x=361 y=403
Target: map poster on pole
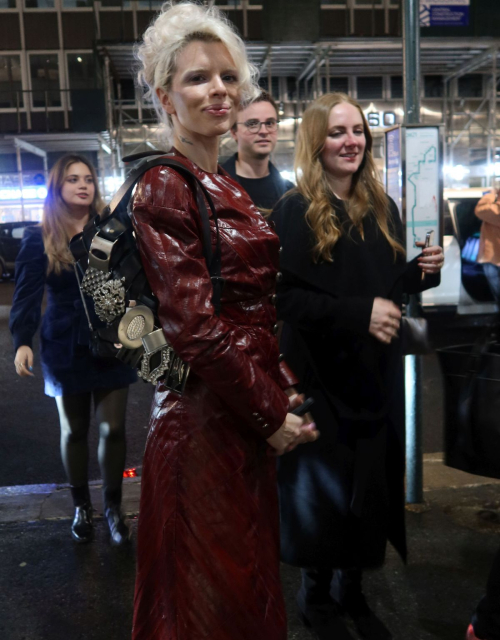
x=423 y=185
x=393 y=168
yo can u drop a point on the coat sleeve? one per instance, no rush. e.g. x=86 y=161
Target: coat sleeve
x=169 y=242
x=412 y=279
x=305 y=308
x=31 y=265
x=412 y=275
x=299 y=302
x=488 y=210
x=287 y=377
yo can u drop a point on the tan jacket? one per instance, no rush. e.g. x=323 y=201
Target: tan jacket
x=488 y=211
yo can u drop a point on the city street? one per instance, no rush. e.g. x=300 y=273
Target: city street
x=306 y=111
x=53 y=589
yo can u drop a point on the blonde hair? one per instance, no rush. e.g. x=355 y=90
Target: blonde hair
x=367 y=195
x=56 y=236
x=176 y=26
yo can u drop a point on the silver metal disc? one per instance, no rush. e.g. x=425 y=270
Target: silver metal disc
x=136 y=323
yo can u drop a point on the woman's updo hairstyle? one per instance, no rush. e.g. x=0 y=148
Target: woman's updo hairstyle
x=176 y=26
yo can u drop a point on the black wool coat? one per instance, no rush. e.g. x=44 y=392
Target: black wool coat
x=342 y=496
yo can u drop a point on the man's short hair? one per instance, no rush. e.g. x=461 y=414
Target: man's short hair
x=262 y=97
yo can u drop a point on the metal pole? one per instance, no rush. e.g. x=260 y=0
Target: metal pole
x=21 y=183
x=318 y=91
x=411 y=61
x=451 y=146
x=18 y=110
x=102 y=169
x=446 y=125
x=492 y=120
x=45 y=169
x=327 y=71
x=109 y=96
x=269 y=75
x=413 y=365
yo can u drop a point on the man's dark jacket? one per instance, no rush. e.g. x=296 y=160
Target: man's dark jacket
x=265 y=192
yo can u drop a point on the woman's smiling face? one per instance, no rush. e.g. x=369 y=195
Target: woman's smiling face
x=78 y=188
x=204 y=94
x=345 y=143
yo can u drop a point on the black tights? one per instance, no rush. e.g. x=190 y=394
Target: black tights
x=74 y=417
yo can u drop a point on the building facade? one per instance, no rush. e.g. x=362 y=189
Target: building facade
x=67 y=80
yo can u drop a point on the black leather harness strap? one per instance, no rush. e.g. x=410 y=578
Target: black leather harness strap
x=111 y=228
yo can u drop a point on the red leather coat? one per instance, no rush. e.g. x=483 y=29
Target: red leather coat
x=208 y=541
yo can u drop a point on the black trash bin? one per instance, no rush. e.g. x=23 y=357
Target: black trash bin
x=471 y=375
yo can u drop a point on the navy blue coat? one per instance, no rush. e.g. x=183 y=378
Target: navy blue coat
x=67 y=364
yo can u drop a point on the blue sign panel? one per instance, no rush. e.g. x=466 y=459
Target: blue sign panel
x=444 y=13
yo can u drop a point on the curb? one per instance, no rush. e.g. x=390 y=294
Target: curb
x=31 y=503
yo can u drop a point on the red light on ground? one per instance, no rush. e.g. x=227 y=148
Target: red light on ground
x=130 y=473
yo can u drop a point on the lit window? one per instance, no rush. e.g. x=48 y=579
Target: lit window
x=10 y=82
x=470 y=86
x=433 y=86
x=369 y=87
x=39 y=4
x=83 y=71
x=44 y=71
x=397 y=87
x=77 y=4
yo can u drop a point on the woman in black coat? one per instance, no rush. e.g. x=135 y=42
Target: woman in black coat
x=344 y=276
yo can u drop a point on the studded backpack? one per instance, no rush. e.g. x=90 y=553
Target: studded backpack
x=107 y=258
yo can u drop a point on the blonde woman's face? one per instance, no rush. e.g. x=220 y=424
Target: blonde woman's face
x=345 y=143
x=78 y=188
x=204 y=95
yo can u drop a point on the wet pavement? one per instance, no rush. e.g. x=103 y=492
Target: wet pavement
x=54 y=589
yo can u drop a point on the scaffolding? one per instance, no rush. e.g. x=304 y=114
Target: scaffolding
x=472 y=134
x=297 y=73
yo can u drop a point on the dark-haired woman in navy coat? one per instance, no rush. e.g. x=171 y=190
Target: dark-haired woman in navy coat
x=72 y=375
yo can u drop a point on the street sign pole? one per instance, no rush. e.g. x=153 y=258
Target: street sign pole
x=413 y=364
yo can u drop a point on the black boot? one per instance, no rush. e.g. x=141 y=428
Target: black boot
x=352 y=601
x=118 y=530
x=317 y=608
x=82 y=528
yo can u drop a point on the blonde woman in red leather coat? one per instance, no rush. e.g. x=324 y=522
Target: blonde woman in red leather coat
x=208 y=556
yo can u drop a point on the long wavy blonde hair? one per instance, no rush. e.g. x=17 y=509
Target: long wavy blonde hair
x=56 y=235
x=367 y=196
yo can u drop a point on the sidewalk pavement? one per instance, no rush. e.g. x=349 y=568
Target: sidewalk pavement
x=53 y=589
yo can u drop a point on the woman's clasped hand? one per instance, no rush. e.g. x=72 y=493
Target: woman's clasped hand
x=295 y=430
x=385 y=320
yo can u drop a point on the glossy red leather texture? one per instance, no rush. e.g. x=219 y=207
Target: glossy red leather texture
x=208 y=543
